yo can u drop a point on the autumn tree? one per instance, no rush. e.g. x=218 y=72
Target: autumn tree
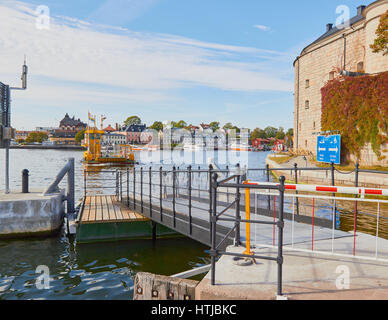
x=36 y=137
x=381 y=42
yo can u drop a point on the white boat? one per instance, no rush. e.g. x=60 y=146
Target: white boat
x=240 y=147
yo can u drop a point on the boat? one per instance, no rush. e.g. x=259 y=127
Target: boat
x=240 y=147
x=94 y=154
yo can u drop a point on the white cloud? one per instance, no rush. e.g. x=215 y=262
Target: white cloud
x=133 y=66
x=261 y=27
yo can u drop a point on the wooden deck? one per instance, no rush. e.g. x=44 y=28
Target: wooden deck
x=104 y=208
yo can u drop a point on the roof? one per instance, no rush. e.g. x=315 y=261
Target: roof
x=67 y=121
x=109 y=128
x=359 y=17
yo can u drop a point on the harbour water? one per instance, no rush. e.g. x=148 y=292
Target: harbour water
x=93 y=271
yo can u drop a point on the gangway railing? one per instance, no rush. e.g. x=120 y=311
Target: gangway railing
x=309 y=196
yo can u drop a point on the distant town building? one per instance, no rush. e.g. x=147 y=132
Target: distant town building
x=45 y=129
x=68 y=128
x=113 y=138
x=109 y=129
x=337 y=51
x=22 y=135
x=133 y=132
x=261 y=144
x=71 y=124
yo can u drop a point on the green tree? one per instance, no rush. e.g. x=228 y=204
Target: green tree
x=258 y=134
x=36 y=137
x=80 y=136
x=157 y=125
x=270 y=132
x=132 y=120
x=381 y=42
x=180 y=124
x=280 y=134
x=215 y=126
x=228 y=126
x=290 y=132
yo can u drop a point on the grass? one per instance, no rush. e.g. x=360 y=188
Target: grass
x=281 y=160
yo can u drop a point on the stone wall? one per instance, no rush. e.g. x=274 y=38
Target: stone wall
x=319 y=60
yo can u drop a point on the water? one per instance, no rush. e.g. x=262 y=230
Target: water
x=93 y=271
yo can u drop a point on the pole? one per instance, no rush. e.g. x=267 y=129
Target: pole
x=70 y=187
x=7 y=191
x=269 y=198
x=25 y=181
x=296 y=182
x=248 y=218
x=190 y=217
x=213 y=223
x=280 y=235
x=237 y=239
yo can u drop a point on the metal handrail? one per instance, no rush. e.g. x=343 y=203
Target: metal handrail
x=68 y=170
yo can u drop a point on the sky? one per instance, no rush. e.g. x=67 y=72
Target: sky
x=193 y=60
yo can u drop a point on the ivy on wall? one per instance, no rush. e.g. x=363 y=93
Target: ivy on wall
x=358 y=108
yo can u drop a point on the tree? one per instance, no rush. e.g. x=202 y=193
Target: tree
x=381 y=42
x=157 y=125
x=36 y=137
x=258 y=134
x=280 y=134
x=215 y=126
x=80 y=136
x=132 y=120
x=228 y=126
x=290 y=132
x=180 y=124
x=270 y=132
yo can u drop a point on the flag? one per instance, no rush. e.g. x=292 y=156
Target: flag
x=91 y=118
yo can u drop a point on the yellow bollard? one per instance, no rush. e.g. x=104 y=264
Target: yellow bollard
x=248 y=218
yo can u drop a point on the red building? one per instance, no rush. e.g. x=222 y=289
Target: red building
x=279 y=146
x=261 y=144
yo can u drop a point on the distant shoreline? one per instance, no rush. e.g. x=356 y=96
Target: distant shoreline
x=40 y=147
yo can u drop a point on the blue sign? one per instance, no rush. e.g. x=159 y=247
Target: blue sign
x=329 y=149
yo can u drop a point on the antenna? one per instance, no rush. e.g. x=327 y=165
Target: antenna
x=24 y=76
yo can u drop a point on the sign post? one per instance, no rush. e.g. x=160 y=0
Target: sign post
x=329 y=149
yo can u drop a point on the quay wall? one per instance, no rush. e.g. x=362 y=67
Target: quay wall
x=24 y=215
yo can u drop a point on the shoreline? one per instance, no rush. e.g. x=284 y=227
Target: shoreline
x=40 y=147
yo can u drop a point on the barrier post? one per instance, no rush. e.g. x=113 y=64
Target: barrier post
x=269 y=198
x=280 y=236
x=248 y=218
x=296 y=182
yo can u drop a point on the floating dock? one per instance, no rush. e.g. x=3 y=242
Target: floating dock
x=103 y=218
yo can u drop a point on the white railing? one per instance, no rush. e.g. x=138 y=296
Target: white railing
x=310 y=237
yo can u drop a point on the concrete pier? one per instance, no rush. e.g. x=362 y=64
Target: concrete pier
x=30 y=214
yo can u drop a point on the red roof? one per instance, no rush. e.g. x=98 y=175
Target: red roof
x=109 y=129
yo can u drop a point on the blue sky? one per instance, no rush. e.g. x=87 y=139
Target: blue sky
x=196 y=60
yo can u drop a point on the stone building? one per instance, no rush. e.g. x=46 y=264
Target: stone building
x=339 y=50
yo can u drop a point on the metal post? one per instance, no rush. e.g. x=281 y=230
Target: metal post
x=70 y=187
x=121 y=186
x=280 y=235
x=296 y=182
x=190 y=217
x=25 y=181
x=177 y=183
x=161 y=192
x=199 y=182
x=134 y=188
x=173 y=194
x=210 y=177
x=269 y=198
x=141 y=190
x=7 y=191
x=237 y=239
x=356 y=184
x=227 y=189
x=150 y=190
x=154 y=231
x=332 y=168
x=213 y=223
x=85 y=172
x=128 y=188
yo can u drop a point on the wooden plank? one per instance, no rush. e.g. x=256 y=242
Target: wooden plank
x=111 y=208
x=86 y=209
x=97 y=209
x=125 y=213
x=117 y=213
x=104 y=209
x=92 y=214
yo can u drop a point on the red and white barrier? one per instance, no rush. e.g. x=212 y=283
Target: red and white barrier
x=314 y=188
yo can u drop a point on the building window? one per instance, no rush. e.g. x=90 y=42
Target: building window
x=331 y=75
x=305 y=143
x=300 y=127
x=307 y=105
x=314 y=125
x=360 y=67
x=307 y=84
